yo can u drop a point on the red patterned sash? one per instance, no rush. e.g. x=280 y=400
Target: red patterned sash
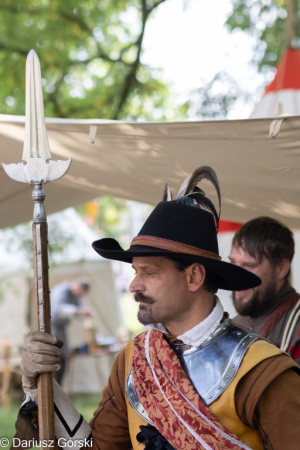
x=172 y=403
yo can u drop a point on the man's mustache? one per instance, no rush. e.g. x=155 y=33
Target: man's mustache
x=139 y=297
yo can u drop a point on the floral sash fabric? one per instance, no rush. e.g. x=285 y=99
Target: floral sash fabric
x=173 y=405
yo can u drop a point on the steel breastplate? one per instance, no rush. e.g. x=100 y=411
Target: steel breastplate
x=210 y=367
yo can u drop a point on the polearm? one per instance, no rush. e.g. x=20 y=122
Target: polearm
x=39 y=169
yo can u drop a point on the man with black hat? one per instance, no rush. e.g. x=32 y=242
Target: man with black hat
x=193 y=380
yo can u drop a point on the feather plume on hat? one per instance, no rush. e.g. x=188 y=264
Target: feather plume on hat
x=189 y=193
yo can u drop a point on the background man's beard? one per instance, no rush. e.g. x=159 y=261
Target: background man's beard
x=259 y=304
x=144 y=314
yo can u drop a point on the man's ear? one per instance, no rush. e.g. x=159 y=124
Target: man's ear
x=282 y=268
x=196 y=276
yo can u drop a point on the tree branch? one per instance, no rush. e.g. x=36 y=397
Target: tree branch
x=131 y=76
x=156 y=4
x=11 y=48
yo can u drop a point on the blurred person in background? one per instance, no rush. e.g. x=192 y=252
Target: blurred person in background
x=265 y=247
x=66 y=302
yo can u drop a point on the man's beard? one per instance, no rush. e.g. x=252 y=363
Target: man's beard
x=259 y=304
x=144 y=314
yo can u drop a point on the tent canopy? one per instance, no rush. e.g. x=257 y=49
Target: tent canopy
x=258 y=174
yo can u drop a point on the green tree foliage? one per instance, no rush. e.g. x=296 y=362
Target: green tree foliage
x=90 y=54
x=267 y=21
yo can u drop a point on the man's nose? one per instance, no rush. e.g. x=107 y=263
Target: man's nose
x=136 y=285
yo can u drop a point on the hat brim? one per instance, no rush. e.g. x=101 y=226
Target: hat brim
x=232 y=278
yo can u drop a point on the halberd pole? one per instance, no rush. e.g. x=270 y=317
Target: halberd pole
x=39 y=169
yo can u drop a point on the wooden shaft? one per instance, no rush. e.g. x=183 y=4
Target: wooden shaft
x=43 y=323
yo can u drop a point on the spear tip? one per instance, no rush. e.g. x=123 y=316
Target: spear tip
x=32 y=59
x=36 y=141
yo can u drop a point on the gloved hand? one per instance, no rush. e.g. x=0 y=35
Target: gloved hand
x=41 y=354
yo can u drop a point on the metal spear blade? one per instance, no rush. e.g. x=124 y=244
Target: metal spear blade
x=36 y=151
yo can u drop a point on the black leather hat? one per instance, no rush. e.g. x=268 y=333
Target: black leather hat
x=181 y=230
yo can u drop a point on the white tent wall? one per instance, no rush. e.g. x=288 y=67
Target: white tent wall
x=224 y=240
x=295 y=272
x=15 y=289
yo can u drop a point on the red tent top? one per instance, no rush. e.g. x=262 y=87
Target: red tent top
x=226 y=226
x=288 y=70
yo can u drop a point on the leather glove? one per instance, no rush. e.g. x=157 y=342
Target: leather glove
x=41 y=354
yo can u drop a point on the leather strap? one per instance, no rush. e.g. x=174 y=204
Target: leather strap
x=173 y=246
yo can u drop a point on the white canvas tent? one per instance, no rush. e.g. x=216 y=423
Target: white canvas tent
x=257 y=162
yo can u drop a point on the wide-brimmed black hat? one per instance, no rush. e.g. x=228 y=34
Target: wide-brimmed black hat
x=180 y=230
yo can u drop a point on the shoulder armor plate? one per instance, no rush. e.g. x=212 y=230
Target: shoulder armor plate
x=210 y=367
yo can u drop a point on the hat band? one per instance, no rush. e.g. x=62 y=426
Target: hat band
x=173 y=246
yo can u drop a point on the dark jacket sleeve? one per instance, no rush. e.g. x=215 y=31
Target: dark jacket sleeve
x=26 y=427
x=268 y=399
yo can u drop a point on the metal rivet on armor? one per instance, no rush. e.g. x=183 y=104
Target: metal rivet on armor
x=243 y=343
x=227 y=376
x=238 y=333
x=237 y=354
x=233 y=366
x=41 y=328
x=210 y=397
x=220 y=387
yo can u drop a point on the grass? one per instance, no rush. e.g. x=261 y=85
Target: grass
x=84 y=403
x=7 y=419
